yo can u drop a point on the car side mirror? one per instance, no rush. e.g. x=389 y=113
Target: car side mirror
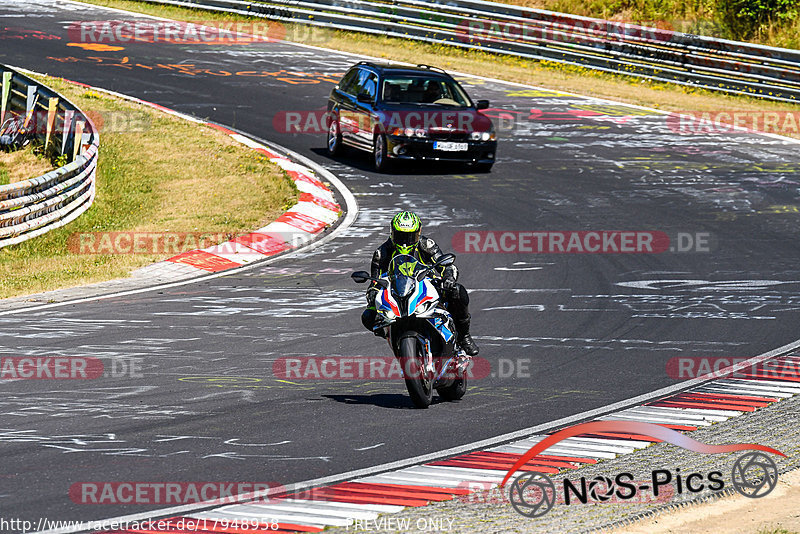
x=364 y=98
x=360 y=277
x=482 y=104
x=447 y=259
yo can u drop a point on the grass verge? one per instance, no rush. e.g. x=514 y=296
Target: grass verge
x=21 y=164
x=664 y=96
x=156 y=173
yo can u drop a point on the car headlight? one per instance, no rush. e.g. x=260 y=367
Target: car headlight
x=408 y=132
x=483 y=136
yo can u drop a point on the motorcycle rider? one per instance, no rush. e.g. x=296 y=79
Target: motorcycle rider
x=406 y=238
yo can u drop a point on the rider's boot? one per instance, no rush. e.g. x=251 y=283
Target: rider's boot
x=464 y=339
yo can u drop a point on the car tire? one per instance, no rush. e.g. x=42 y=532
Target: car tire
x=379 y=158
x=483 y=167
x=334 y=140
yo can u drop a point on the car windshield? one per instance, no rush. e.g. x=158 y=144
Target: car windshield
x=425 y=91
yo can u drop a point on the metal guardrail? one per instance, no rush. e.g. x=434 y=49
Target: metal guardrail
x=32 y=207
x=651 y=53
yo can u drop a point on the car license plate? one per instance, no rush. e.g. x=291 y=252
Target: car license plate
x=450 y=146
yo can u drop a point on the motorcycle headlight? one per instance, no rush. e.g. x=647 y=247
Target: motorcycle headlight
x=423 y=308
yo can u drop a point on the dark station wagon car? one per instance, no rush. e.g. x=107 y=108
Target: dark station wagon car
x=408 y=113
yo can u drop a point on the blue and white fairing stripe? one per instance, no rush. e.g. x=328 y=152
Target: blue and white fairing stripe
x=419 y=296
x=441 y=325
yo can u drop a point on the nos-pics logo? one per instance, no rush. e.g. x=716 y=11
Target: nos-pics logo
x=533 y=494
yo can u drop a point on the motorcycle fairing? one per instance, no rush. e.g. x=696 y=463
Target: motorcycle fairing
x=384 y=302
x=440 y=324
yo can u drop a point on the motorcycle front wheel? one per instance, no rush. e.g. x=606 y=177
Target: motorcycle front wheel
x=412 y=360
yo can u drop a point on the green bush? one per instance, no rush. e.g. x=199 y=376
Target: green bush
x=746 y=19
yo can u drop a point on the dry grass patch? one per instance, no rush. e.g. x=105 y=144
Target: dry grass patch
x=22 y=164
x=156 y=173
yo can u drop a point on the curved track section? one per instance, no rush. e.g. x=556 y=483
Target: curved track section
x=579 y=330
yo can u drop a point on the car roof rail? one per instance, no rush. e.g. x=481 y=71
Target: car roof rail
x=429 y=67
x=373 y=64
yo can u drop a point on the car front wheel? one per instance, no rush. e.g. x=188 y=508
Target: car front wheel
x=379 y=153
x=334 y=139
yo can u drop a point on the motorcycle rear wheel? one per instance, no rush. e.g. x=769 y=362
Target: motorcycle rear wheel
x=454 y=391
x=412 y=360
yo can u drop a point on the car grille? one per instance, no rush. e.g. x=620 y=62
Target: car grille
x=448 y=136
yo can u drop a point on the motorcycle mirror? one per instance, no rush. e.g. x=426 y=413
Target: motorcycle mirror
x=447 y=259
x=360 y=277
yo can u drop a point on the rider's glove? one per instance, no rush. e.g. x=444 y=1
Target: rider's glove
x=448 y=285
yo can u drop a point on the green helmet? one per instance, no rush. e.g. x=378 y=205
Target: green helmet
x=406 y=228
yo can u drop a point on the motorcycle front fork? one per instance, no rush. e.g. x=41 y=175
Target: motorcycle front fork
x=429 y=358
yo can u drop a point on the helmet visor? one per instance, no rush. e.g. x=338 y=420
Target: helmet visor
x=405 y=239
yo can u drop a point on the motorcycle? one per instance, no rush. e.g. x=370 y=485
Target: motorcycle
x=419 y=329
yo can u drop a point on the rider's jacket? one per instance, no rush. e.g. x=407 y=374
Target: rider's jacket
x=426 y=251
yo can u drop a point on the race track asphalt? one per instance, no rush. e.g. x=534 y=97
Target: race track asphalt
x=579 y=330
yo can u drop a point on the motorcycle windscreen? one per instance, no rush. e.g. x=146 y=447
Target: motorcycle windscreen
x=404 y=286
x=402 y=269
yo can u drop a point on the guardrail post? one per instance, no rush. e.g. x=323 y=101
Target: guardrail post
x=30 y=118
x=31 y=101
x=52 y=104
x=86 y=141
x=68 y=114
x=76 y=144
x=6 y=94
